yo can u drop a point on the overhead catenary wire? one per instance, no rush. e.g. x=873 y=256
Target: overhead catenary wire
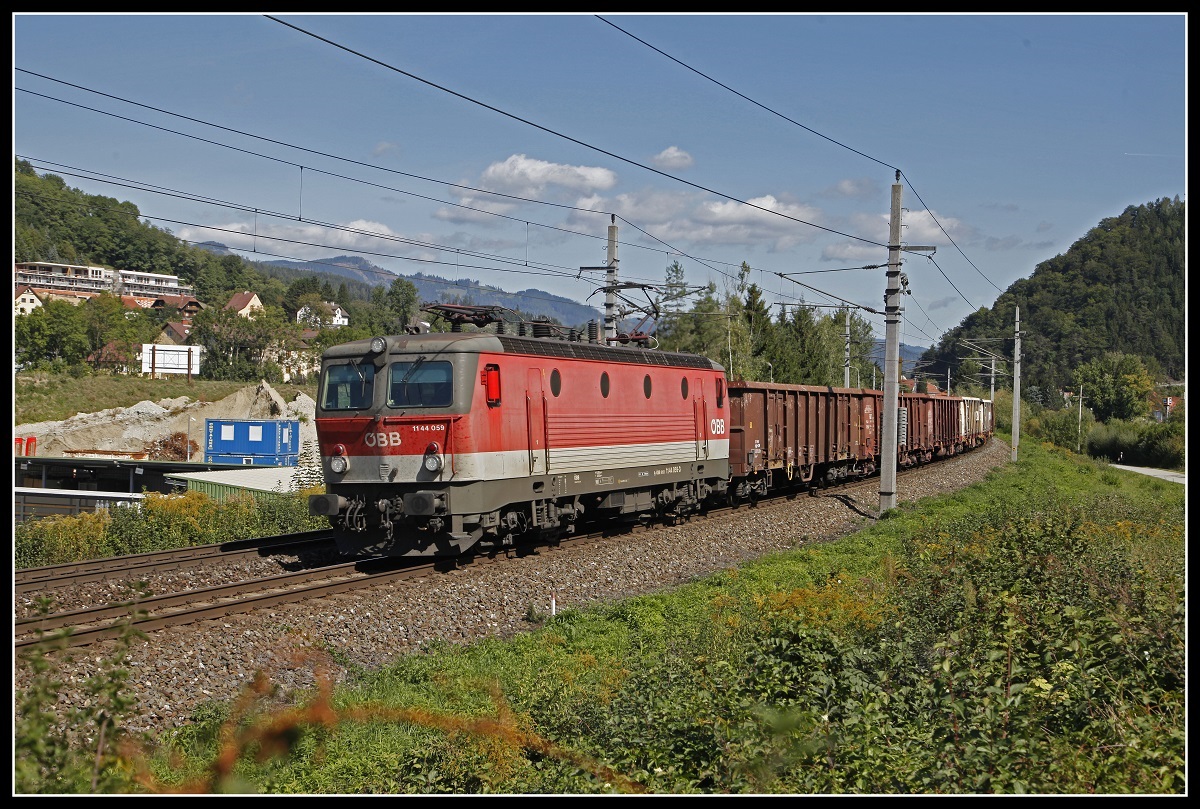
x=741 y=95
x=665 y=174
x=568 y=137
x=302 y=167
x=562 y=272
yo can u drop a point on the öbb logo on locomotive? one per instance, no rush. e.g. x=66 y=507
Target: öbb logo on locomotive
x=436 y=443
x=391 y=439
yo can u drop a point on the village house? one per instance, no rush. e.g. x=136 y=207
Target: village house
x=244 y=303
x=174 y=333
x=185 y=306
x=300 y=361
x=338 y=316
x=25 y=300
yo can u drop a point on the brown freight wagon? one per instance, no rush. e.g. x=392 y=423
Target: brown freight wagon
x=933 y=428
x=781 y=435
x=800 y=433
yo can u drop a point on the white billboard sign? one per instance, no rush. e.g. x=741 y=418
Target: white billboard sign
x=168 y=359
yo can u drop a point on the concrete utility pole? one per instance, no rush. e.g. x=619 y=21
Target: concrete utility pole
x=1016 y=385
x=610 y=287
x=893 y=312
x=1079 y=424
x=610 y=297
x=846 y=381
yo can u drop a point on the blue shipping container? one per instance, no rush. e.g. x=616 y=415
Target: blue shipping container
x=266 y=442
x=255 y=460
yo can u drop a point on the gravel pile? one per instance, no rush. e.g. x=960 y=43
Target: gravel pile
x=176 y=670
x=132 y=429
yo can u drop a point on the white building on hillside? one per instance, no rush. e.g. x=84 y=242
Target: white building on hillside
x=150 y=284
x=338 y=316
x=64 y=277
x=74 y=278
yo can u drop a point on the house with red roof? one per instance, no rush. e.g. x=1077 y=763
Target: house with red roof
x=184 y=306
x=244 y=303
x=25 y=300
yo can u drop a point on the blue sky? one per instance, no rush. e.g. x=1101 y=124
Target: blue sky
x=714 y=139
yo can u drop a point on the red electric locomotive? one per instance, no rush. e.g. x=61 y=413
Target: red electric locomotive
x=434 y=443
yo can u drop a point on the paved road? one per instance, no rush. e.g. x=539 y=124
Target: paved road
x=1163 y=474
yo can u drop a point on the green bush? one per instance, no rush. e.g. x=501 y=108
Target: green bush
x=1162 y=445
x=1060 y=428
x=1142 y=443
x=161 y=522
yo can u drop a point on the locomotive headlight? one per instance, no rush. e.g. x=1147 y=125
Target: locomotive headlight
x=433 y=458
x=338 y=463
x=378 y=345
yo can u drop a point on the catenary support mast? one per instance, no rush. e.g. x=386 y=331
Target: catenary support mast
x=892 y=316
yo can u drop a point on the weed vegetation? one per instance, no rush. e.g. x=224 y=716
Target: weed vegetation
x=1023 y=636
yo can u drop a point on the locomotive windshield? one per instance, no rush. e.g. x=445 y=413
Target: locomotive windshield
x=420 y=383
x=349 y=387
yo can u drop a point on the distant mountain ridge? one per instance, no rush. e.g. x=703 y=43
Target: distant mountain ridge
x=434 y=289
x=535 y=302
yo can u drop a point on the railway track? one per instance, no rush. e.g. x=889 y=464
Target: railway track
x=86 y=626
x=65 y=575
x=82 y=627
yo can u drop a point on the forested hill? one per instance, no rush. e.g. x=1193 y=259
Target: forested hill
x=1118 y=289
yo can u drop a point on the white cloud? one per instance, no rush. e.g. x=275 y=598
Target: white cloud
x=920 y=227
x=476 y=209
x=520 y=177
x=854 y=252
x=528 y=177
x=687 y=220
x=385 y=148
x=305 y=241
x=853 y=188
x=673 y=157
x=994 y=243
